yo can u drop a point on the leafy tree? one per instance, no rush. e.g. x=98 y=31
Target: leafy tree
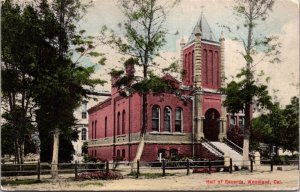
x=40 y=78
x=278 y=128
x=144 y=32
x=241 y=94
x=268 y=127
x=17 y=54
x=290 y=135
x=61 y=83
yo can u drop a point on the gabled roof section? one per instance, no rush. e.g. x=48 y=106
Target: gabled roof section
x=206 y=32
x=170 y=79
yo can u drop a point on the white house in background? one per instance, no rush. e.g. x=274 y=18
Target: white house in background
x=81 y=115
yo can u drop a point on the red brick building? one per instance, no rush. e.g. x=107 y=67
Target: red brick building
x=175 y=125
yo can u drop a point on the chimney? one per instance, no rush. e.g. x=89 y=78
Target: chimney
x=129 y=66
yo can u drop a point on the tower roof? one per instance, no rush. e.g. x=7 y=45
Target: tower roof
x=206 y=32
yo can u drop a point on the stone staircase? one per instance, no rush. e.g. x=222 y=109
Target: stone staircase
x=226 y=149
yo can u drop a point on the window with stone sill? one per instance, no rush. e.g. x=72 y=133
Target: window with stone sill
x=123 y=121
x=83 y=134
x=105 y=127
x=155 y=118
x=84 y=109
x=118 y=124
x=178 y=120
x=167 y=119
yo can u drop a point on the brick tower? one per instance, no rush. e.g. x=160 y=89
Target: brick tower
x=203 y=74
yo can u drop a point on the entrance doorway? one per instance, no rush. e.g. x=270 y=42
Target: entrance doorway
x=211 y=125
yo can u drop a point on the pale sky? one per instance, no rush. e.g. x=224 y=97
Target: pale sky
x=283 y=22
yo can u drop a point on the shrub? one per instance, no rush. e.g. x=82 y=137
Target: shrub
x=204 y=170
x=100 y=175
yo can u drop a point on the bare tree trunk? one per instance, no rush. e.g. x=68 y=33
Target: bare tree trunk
x=141 y=145
x=22 y=154
x=54 y=166
x=246 y=141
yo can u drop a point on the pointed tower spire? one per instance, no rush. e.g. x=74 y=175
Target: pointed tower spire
x=204 y=28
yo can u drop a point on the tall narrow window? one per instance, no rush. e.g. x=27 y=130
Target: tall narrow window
x=232 y=121
x=105 y=127
x=186 y=67
x=155 y=118
x=241 y=122
x=83 y=134
x=167 y=119
x=123 y=153
x=92 y=129
x=123 y=122
x=189 y=67
x=211 y=68
x=95 y=129
x=217 y=69
x=178 y=120
x=84 y=110
x=118 y=124
x=118 y=153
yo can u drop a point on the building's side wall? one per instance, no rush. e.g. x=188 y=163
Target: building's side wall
x=102 y=147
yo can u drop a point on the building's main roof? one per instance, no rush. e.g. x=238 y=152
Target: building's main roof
x=206 y=32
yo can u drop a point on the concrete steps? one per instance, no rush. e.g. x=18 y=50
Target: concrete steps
x=236 y=157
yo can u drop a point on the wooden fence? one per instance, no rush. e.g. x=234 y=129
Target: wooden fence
x=163 y=167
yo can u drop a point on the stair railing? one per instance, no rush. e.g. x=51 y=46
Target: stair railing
x=213 y=146
x=233 y=146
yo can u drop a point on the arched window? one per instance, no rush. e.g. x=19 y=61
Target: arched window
x=173 y=152
x=189 y=67
x=155 y=118
x=123 y=153
x=167 y=119
x=162 y=152
x=118 y=124
x=105 y=127
x=95 y=134
x=123 y=122
x=84 y=109
x=178 y=120
x=118 y=153
x=186 y=66
x=92 y=129
x=83 y=134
